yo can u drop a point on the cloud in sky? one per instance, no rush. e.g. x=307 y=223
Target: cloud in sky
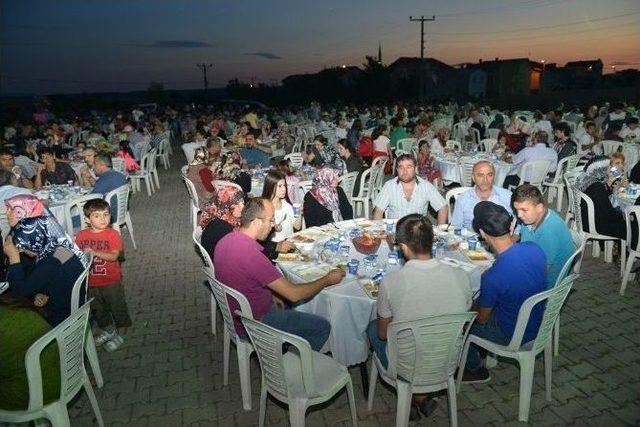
x=175 y=44
x=624 y=63
x=265 y=55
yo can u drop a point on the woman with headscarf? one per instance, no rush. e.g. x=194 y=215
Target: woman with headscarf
x=227 y=168
x=598 y=183
x=323 y=153
x=193 y=174
x=57 y=264
x=326 y=202
x=23 y=206
x=221 y=215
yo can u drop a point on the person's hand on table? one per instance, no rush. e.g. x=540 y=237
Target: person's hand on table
x=285 y=246
x=40 y=300
x=335 y=276
x=11 y=251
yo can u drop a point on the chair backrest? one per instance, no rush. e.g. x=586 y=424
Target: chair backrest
x=221 y=183
x=454 y=145
x=466 y=171
x=364 y=179
x=223 y=294
x=534 y=171
x=427 y=352
x=69 y=336
x=80 y=287
x=493 y=133
x=122 y=203
x=380 y=159
x=578 y=198
x=458 y=131
x=196 y=236
x=304 y=187
x=268 y=342
x=572 y=265
x=376 y=177
x=563 y=167
x=453 y=194
x=191 y=189
x=554 y=298
x=347 y=182
x=153 y=165
x=487 y=144
x=295 y=158
x=145 y=163
x=475 y=136
x=632 y=215
x=609 y=147
x=118 y=164
x=406 y=144
x=184 y=169
x=77 y=203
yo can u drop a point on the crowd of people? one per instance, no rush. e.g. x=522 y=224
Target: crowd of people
x=244 y=233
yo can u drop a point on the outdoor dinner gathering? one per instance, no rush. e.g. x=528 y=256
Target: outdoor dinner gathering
x=332 y=214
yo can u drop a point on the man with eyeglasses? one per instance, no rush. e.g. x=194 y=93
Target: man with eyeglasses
x=87 y=174
x=240 y=264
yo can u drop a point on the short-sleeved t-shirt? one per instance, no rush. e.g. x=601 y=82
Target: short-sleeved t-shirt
x=393 y=200
x=518 y=273
x=554 y=237
x=103 y=273
x=423 y=288
x=240 y=264
x=61 y=175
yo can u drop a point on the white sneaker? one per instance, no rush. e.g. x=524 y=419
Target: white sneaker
x=114 y=344
x=104 y=336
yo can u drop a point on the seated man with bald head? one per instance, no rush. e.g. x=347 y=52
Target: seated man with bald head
x=483 y=190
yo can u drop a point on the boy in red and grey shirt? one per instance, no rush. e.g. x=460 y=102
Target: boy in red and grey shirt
x=109 y=305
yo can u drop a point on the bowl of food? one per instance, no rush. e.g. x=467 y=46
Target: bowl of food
x=366 y=244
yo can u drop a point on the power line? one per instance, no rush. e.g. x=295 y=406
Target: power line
x=529 y=5
x=421 y=20
x=204 y=68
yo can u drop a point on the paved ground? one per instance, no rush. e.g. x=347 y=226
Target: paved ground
x=170 y=371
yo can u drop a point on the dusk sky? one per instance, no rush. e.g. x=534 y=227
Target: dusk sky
x=93 y=46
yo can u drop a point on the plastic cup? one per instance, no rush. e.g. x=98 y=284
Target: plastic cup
x=473 y=243
x=458 y=231
x=388 y=225
x=70 y=183
x=297 y=209
x=353 y=266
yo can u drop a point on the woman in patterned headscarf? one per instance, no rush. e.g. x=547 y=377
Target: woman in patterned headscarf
x=57 y=265
x=23 y=206
x=326 y=202
x=220 y=216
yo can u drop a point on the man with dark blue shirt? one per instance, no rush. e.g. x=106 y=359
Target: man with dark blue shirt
x=108 y=180
x=520 y=271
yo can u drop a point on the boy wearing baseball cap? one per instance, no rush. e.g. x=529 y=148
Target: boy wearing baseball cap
x=520 y=271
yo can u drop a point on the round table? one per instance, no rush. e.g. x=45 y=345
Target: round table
x=450 y=167
x=57 y=206
x=346 y=305
x=624 y=199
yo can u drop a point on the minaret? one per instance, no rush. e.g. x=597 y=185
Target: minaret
x=379 y=52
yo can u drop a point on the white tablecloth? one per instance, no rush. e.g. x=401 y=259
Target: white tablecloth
x=631 y=151
x=450 y=168
x=349 y=309
x=623 y=200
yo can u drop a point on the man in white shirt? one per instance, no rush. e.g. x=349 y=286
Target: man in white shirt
x=539 y=151
x=408 y=193
x=406 y=295
x=483 y=175
x=630 y=130
x=587 y=141
x=542 y=124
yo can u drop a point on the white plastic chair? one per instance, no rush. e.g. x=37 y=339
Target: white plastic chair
x=570 y=177
x=631 y=214
x=194 y=203
x=466 y=171
x=70 y=339
x=75 y=205
x=609 y=147
x=493 y=133
x=406 y=144
x=347 y=182
x=592 y=234
x=122 y=219
x=454 y=145
x=243 y=345
x=153 y=167
x=475 y=136
x=295 y=158
x=453 y=194
x=208 y=266
x=221 y=183
x=556 y=185
x=423 y=357
x=362 y=198
x=303 y=188
x=487 y=144
x=525 y=353
x=119 y=165
x=300 y=378
x=144 y=174
x=535 y=171
x=163 y=152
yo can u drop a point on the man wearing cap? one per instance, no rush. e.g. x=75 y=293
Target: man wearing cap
x=520 y=271
x=544 y=227
x=483 y=174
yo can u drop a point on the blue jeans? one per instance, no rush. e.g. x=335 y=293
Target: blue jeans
x=490 y=331
x=379 y=346
x=312 y=328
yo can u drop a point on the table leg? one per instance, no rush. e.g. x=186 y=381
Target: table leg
x=365 y=378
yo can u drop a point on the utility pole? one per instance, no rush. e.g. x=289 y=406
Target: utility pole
x=204 y=68
x=422 y=20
